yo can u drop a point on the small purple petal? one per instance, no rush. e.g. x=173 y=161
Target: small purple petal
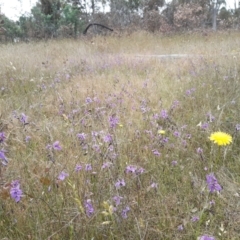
x=62 y=176
x=56 y=146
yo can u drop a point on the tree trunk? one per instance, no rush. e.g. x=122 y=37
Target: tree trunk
x=214 y=18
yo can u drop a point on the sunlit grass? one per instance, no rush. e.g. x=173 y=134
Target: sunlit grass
x=110 y=144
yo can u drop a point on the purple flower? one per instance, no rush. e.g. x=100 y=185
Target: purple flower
x=107 y=138
x=204 y=125
x=3 y=158
x=175 y=104
x=199 y=150
x=89 y=207
x=62 y=176
x=190 y=91
x=180 y=227
x=88 y=100
x=27 y=139
x=176 y=134
x=213 y=184
x=23 y=118
x=195 y=219
x=154 y=185
x=165 y=140
x=81 y=136
x=15 y=191
x=212 y=202
x=120 y=183
x=210 y=117
x=96 y=148
x=2 y=137
x=140 y=170
x=174 y=163
x=156 y=152
x=206 y=237
x=113 y=121
x=237 y=127
x=124 y=212
x=106 y=165
x=117 y=200
x=56 y=146
x=78 y=168
x=130 y=169
x=164 y=114
x=88 y=167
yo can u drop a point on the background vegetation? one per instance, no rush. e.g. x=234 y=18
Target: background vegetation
x=107 y=140
x=68 y=18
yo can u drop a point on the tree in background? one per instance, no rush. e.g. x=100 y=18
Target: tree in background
x=68 y=18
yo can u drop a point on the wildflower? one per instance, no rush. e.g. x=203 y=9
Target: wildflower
x=88 y=100
x=27 y=139
x=78 y=168
x=88 y=167
x=164 y=114
x=174 y=163
x=106 y=165
x=210 y=117
x=23 y=118
x=188 y=136
x=204 y=125
x=140 y=170
x=113 y=121
x=212 y=202
x=176 y=134
x=162 y=132
x=156 y=152
x=154 y=185
x=206 y=237
x=180 y=227
x=96 y=148
x=107 y=138
x=175 y=104
x=82 y=136
x=120 y=183
x=199 y=150
x=213 y=184
x=117 y=200
x=237 y=127
x=195 y=219
x=3 y=158
x=2 y=137
x=221 y=138
x=165 y=140
x=89 y=207
x=15 y=191
x=131 y=169
x=56 y=146
x=124 y=212
x=62 y=176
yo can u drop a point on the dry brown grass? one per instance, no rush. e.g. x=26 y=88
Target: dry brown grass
x=50 y=82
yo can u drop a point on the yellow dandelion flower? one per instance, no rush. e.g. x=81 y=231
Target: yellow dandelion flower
x=221 y=138
x=161 y=132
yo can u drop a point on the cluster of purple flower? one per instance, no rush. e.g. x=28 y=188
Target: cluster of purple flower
x=134 y=169
x=55 y=146
x=213 y=184
x=15 y=191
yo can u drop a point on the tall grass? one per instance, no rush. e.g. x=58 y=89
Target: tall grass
x=109 y=144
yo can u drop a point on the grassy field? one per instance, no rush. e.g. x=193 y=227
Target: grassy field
x=98 y=142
